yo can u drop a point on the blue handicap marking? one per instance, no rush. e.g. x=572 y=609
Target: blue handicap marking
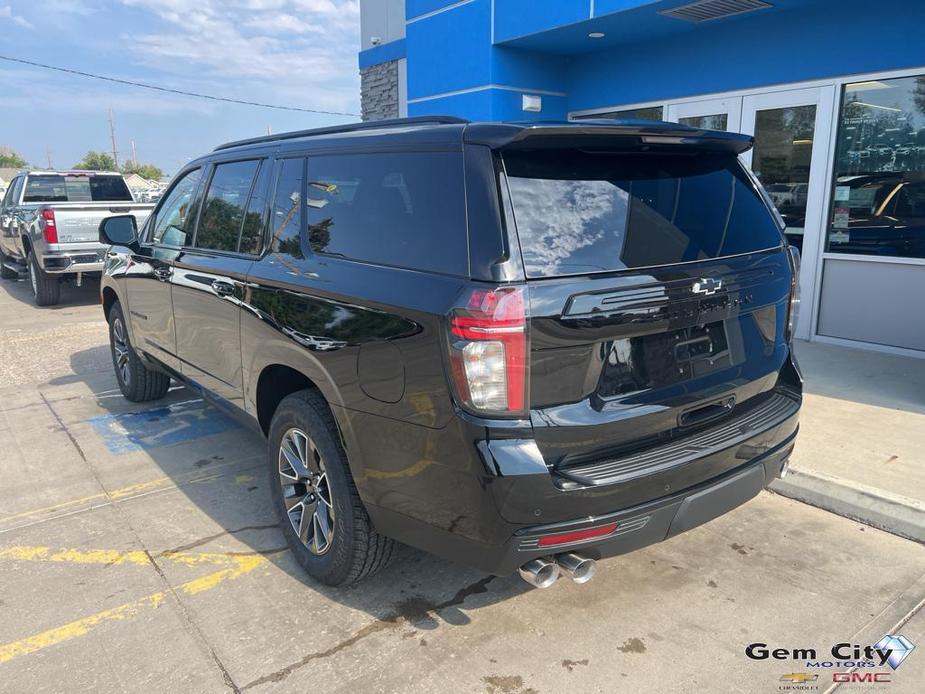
x=163 y=426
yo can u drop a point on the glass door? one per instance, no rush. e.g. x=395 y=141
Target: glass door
x=791 y=131
x=709 y=114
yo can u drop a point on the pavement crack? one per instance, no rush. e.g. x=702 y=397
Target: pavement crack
x=409 y=611
x=210 y=538
x=192 y=626
x=80 y=451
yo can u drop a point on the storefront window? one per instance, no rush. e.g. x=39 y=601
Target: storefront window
x=878 y=205
x=648 y=113
x=716 y=121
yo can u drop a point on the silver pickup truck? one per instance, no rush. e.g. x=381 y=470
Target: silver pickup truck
x=49 y=224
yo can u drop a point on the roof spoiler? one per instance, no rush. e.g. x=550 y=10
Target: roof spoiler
x=602 y=134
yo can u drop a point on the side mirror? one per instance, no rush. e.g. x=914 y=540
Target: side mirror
x=121 y=230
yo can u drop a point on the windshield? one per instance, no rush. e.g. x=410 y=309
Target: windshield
x=76 y=188
x=585 y=211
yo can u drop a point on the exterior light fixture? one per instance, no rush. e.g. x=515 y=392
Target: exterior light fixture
x=532 y=103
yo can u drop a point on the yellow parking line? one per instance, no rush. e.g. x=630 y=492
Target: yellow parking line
x=75 y=556
x=66 y=632
x=193 y=477
x=113 y=556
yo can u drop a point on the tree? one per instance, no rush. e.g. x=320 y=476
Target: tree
x=10 y=159
x=96 y=161
x=149 y=171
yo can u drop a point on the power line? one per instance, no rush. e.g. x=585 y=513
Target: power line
x=172 y=91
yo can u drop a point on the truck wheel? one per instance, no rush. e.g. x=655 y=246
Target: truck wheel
x=45 y=288
x=322 y=516
x=137 y=382
x=5 y=272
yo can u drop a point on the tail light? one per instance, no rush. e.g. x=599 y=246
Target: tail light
x=488 y=351
x=49 y=228
x=793 y=310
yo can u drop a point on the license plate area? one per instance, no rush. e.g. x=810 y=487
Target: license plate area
x=663 y=359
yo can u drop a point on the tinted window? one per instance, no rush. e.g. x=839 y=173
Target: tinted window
x=12 y=193
x=76 y=188
x=172 y=223
x=579 y=212
x=406 y=210
x=225 y=202
x=286 y=220
x=252 y=230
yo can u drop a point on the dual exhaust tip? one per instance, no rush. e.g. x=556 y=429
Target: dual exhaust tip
x=542 y=573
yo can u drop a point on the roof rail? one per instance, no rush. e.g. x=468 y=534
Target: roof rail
x=348 y=128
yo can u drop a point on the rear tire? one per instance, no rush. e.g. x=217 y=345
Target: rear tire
x=320 y=511
x=137 y=382
x=5 y=272
x=46 y=289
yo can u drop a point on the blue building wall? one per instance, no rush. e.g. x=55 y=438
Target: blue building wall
x=475 y=58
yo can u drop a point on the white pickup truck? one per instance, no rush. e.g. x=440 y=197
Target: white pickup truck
x=49 y=223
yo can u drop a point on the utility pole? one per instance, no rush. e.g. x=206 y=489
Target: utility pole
x=134 y=158
x=48 y=155
x=112 y=136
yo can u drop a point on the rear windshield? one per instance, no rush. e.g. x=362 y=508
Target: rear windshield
x=581 y=212
x=63 y=188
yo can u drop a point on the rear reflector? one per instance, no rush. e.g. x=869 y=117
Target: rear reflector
x=576 y=535
x=49 y=228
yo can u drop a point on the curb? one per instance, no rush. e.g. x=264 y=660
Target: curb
x=893 y=513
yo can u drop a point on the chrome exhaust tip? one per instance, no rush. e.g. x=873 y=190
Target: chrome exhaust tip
x=785 y=468
x=540 y=573
x=580 y=569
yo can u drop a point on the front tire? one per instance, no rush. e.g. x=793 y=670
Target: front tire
x=46 y=289
x=137 y=382
x=321 y=514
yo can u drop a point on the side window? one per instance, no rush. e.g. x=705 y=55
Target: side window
x=252 y=231
x=286 y=220
x=173 y=220
x=12 y=195
x=225 y=204
x=8 y=195
x=406 y=210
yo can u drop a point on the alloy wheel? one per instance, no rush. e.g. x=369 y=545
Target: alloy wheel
x=306 y=492
x=120 y=349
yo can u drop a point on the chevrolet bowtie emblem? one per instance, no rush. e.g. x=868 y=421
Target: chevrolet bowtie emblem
x=799 y=677
x=707 y=285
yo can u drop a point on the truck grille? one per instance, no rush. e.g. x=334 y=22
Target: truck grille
x=774 y=410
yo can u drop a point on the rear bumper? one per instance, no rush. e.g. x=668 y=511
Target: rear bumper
x=489 y=513
x=636 y=527
x=73 y=258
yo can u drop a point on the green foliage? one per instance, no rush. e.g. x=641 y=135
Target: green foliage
x=96 y=161
x=149 y=171
x=11 y=160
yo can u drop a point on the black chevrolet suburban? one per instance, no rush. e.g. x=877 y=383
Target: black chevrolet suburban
x=515 y=345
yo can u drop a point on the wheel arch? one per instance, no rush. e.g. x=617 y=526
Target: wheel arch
x=109 y=298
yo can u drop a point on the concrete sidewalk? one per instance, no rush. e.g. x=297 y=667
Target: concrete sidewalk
x=861 y=449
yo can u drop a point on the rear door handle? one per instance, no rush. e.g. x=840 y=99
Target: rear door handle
x=163 y=273
x=222 y=288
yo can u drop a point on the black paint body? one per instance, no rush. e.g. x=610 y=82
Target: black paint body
x=372 y=339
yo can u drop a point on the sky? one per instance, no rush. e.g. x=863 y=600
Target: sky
x=300 y=53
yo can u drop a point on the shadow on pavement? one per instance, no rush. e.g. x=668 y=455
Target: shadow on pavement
x=71 y=295
x=177 y=433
